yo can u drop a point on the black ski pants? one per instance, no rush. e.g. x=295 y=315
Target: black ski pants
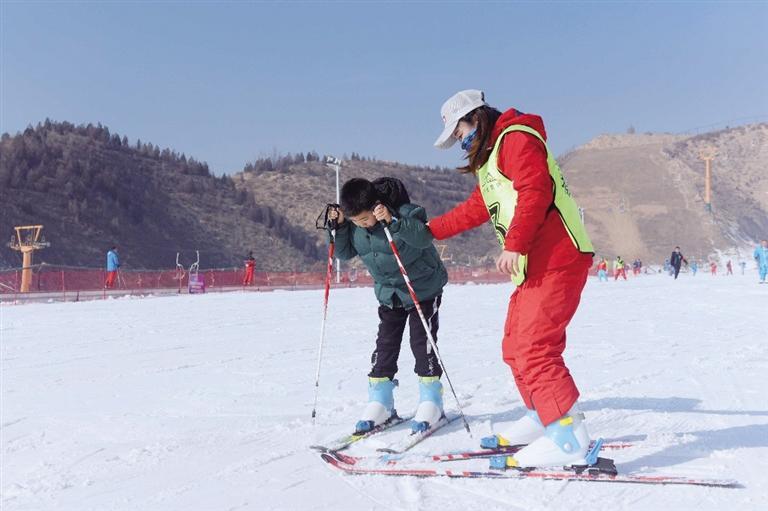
x=390 y=337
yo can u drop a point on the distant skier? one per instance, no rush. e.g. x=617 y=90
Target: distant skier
x=250 y=266
x=364 y=205
x=602 y=270
x=713 y=268
x=694 y=267
x=743 y=265
x=618 y=269
x=113 y=264
x=729 y=268
x=676 y=260
x=761 y=256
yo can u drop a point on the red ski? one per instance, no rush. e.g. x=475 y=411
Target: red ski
x=394 y=459
x=603 y=471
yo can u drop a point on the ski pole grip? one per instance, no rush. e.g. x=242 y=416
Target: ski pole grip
x=333 y=223
x=379 y=203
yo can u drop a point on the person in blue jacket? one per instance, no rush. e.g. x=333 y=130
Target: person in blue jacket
x=113 y=263
x=761 y=256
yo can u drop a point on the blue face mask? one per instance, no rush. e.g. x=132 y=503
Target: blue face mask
x=466 y=143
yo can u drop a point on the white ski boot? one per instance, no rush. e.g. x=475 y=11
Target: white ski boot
x=380 y=407
x=430 y=409
x=524 y=431
x=565 y=442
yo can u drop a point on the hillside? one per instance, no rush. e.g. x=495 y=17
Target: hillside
x=92 y=189
x=643 y=194
x=302 y=190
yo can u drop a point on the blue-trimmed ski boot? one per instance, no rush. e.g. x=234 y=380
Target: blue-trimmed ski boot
x=523 y=431
x=430 y=409
x=565 y=442
x=381 y=405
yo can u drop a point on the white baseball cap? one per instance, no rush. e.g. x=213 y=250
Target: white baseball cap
x=456 y=107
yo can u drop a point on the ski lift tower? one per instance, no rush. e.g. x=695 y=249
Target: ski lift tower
x=335 y=164
x=26 y=241
x=708 y=155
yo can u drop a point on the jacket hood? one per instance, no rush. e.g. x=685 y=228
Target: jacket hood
x=513 y=116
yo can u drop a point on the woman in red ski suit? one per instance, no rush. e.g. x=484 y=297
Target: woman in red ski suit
x=541 y=308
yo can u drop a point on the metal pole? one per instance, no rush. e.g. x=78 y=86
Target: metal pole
x=337 y=168
x=335 y=164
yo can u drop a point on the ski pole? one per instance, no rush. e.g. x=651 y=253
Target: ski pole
x=328 y=275
x=424 y=322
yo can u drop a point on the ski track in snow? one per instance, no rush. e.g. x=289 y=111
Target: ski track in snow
x=203 y=402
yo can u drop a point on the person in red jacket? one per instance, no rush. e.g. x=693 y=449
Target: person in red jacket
x=250 y=266
x=524 y=180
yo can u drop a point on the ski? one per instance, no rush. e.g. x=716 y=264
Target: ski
x=415 y=438
x=391 y=459
x=603 y=471
x=347 y=440
x=510 y=449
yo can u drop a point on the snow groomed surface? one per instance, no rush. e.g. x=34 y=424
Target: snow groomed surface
x=203 y=402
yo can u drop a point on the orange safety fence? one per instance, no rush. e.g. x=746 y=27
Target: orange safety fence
x=52 y=279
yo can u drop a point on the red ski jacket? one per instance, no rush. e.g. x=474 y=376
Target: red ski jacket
x=536 y=229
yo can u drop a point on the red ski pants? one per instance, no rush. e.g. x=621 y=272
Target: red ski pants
x=534 y=340
x=248 y=279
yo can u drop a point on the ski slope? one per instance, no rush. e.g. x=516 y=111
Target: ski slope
x=203 y=402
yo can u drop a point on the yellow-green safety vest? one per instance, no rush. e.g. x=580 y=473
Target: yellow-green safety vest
x=500 y=198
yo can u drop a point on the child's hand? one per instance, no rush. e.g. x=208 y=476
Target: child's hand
x=382 y=214
x=336 y=214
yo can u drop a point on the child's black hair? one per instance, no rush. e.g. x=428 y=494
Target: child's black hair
x=358 y=195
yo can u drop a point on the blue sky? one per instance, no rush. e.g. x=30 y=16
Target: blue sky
x=227 y=82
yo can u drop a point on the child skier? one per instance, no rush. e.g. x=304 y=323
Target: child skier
x=602 y=270
x=359 y=233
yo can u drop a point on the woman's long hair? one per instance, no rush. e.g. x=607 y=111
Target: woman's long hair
x=486 y=117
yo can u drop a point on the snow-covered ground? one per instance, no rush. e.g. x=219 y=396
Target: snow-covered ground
x=203 y=402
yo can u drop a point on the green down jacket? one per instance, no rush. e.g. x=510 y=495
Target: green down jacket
x=413 y=241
